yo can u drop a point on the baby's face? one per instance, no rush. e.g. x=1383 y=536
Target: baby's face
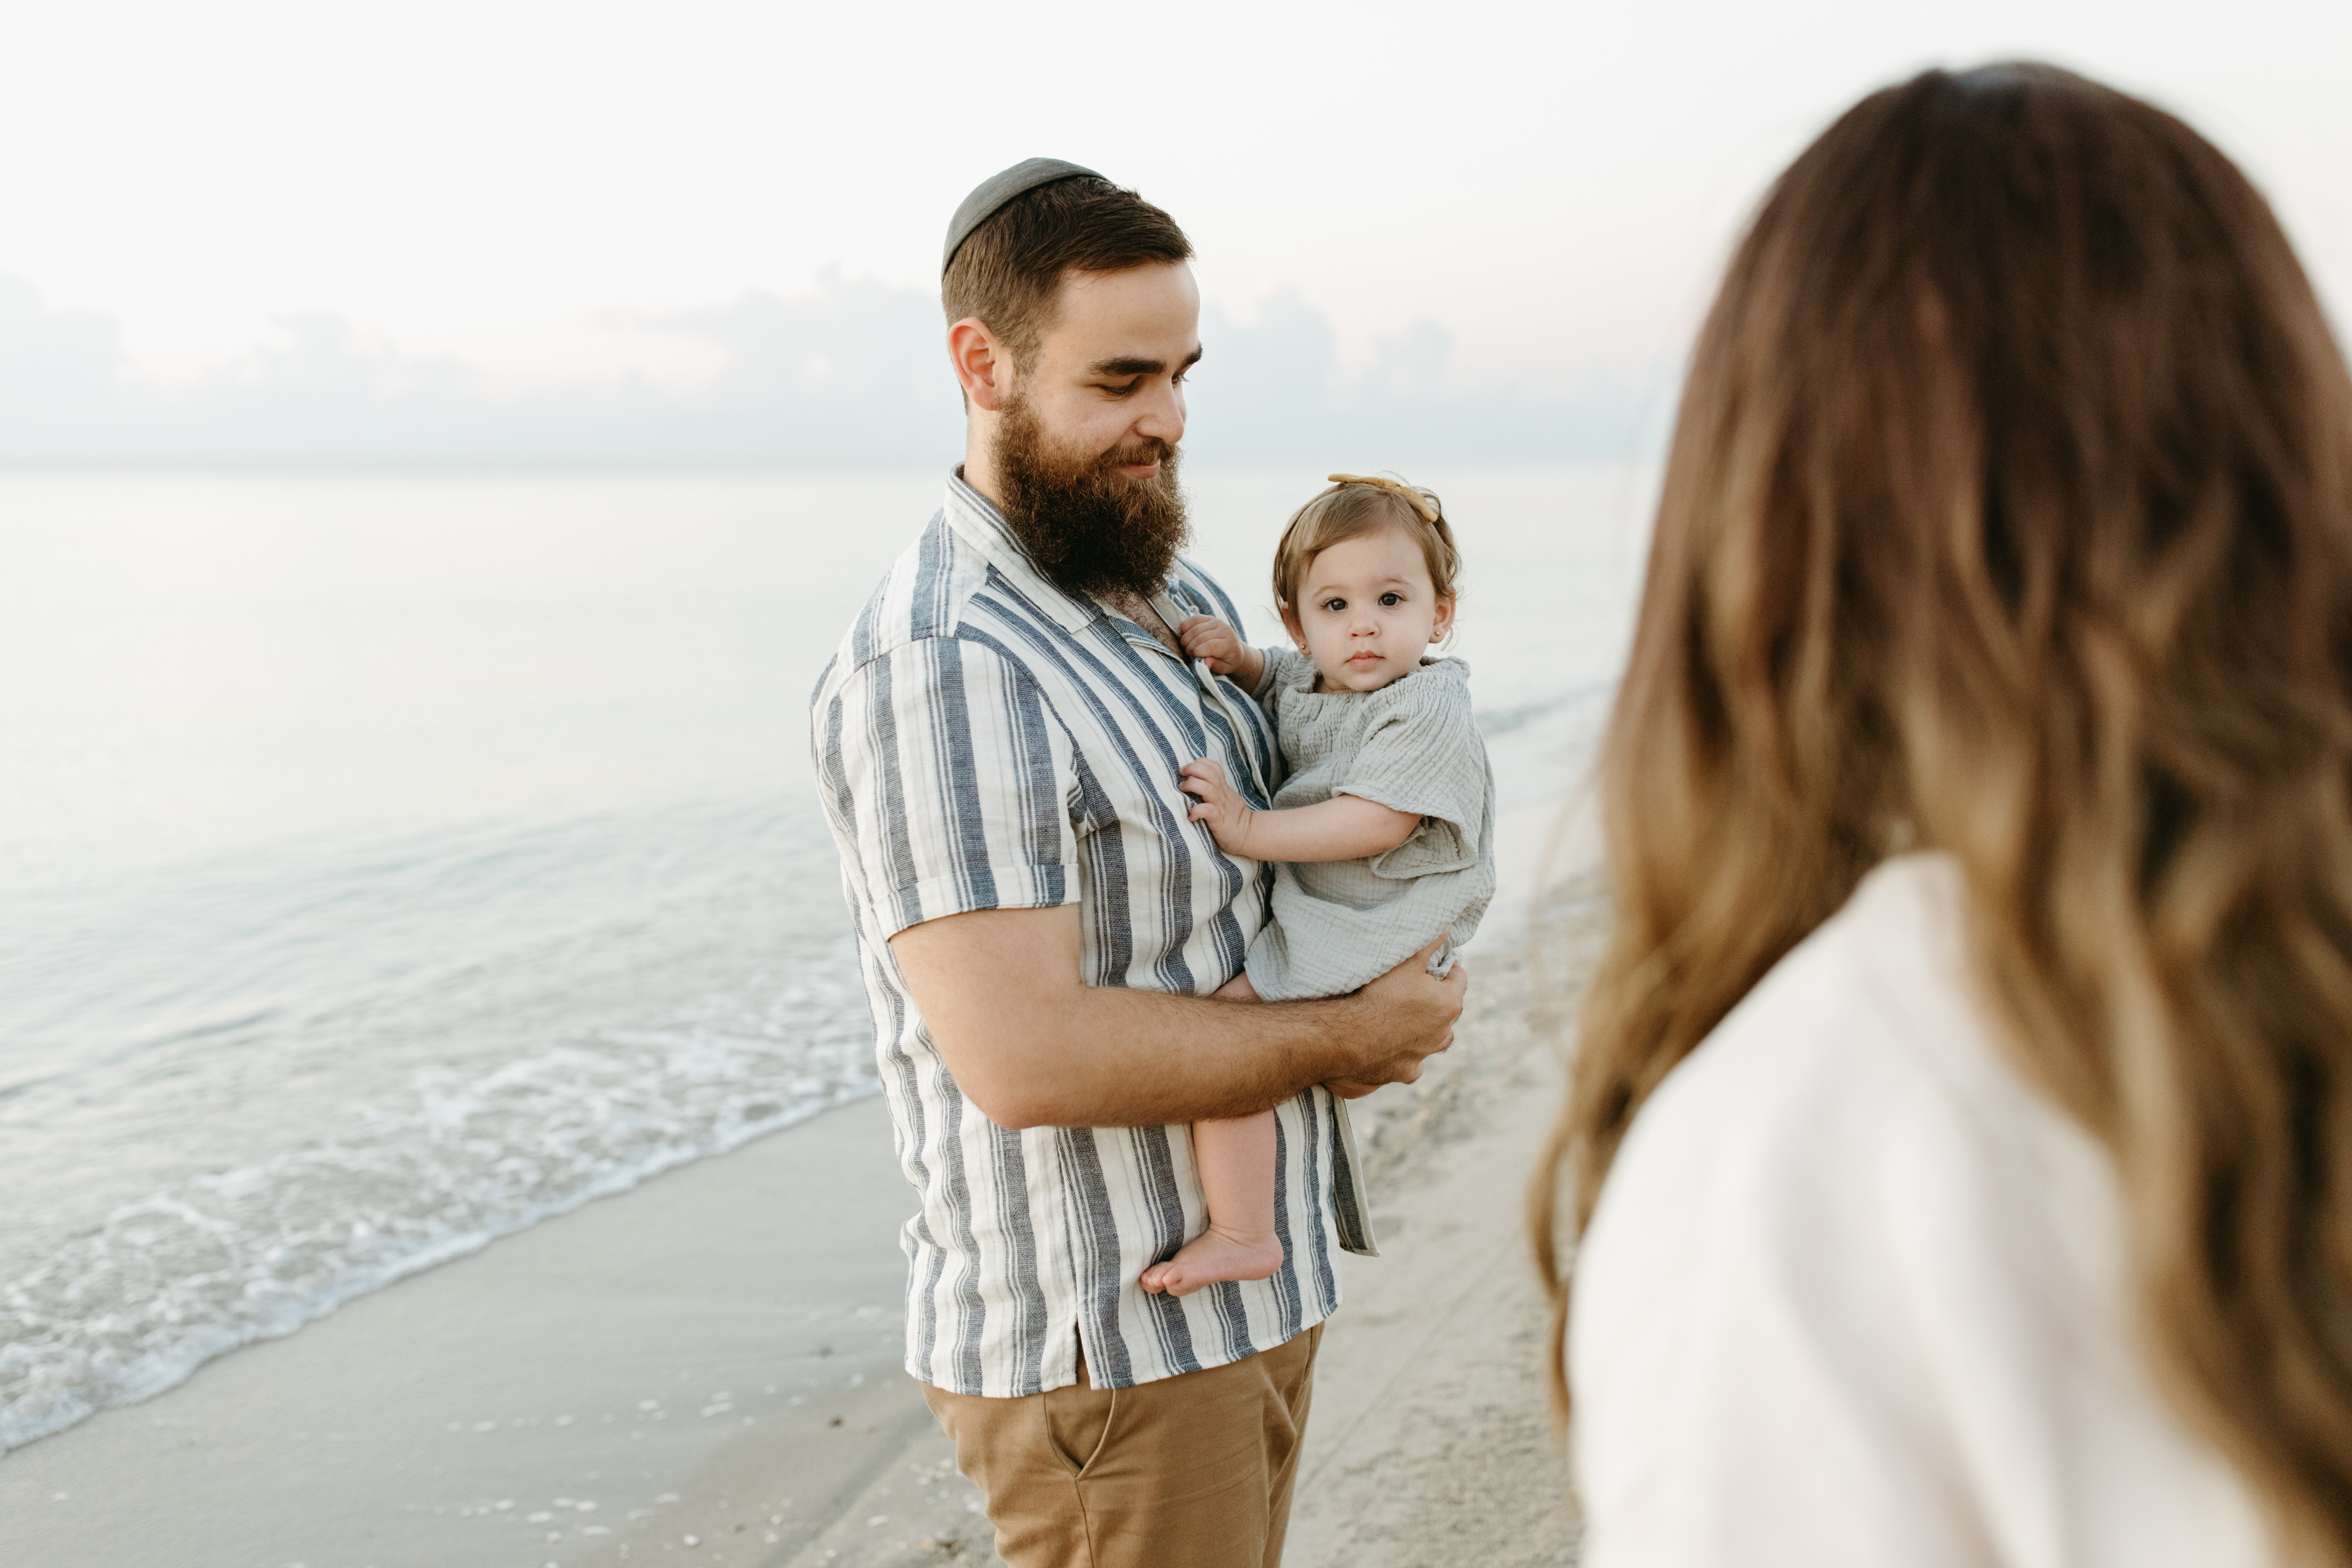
x=1366 y=610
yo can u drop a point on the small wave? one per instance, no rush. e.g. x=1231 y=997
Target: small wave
x=129 y=1309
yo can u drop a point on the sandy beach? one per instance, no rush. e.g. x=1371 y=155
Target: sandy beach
x=707 y=1368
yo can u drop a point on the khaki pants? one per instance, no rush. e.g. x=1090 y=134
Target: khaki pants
x=1191 y=1471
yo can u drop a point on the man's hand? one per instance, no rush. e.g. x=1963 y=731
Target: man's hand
x=1221 y=647
x=1421 y=1001
x=1217 y=803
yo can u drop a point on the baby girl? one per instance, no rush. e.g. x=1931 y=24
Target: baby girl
x=1383 y=828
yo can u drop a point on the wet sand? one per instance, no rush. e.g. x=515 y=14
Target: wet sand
x=707 y=1369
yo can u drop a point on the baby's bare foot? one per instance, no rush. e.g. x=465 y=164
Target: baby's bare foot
x=1214 y=1255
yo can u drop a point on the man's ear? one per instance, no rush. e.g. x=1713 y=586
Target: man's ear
x=1444 y=621
x=981 y=366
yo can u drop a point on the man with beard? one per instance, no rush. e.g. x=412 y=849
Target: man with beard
x=1040 y=925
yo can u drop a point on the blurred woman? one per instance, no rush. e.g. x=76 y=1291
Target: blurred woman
x=1961 y=1130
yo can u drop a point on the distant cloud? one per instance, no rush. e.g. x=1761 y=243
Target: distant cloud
x=849 y=373
x=1274 y=388
x=63 y=377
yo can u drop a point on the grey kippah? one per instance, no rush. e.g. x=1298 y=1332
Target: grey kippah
x=998 y=189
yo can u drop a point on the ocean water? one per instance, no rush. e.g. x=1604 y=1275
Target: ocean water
x=391 y=860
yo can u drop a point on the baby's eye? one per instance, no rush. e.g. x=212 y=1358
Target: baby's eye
x=1392 y=600
x=1333 y=606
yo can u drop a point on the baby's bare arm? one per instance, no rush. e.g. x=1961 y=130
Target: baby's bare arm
x=1345 y=827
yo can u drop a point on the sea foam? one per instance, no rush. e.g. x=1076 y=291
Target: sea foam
x=132 y=1306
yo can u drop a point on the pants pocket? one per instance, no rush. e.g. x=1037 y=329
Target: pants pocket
x=1078 y=1423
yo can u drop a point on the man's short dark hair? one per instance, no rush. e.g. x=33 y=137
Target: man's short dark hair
x=1008 y=275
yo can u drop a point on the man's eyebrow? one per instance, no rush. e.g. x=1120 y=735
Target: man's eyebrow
x=1132 y=367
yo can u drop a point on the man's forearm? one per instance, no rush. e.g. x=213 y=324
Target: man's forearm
x=1114 y=1056
x=1031 y=1046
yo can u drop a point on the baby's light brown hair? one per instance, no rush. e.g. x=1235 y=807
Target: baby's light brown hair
x=1353 y=507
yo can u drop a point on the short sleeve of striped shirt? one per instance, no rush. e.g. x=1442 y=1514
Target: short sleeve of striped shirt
x=957 y=779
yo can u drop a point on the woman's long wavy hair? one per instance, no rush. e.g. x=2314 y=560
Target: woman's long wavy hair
x=2009 y=514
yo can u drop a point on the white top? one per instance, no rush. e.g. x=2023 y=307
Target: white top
x=1855 y=1295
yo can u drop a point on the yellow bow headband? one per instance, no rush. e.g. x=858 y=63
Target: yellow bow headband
x=1420 y=503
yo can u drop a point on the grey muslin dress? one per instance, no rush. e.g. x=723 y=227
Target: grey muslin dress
x=1335 y=924
x=1411 y=746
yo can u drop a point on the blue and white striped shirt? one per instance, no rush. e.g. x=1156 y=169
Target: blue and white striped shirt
x=986 y=741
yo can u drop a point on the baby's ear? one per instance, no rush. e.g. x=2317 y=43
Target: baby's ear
x=1444 y=621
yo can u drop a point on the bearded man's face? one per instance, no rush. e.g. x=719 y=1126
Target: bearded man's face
x=1084 y=430
x=1087 y=526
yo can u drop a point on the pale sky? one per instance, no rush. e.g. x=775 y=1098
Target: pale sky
x=508 y=181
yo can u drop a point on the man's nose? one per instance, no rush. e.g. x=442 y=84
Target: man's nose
x=1161 y=416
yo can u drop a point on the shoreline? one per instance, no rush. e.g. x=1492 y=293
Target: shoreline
x=612 y=1373
x=358 y=1284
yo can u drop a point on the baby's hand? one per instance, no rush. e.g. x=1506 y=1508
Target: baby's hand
x=1219 y=646
x=1217 y=804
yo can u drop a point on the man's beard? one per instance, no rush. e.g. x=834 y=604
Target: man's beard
x=1088 y=527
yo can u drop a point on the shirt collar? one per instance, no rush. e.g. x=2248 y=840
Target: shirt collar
x=975 y=517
